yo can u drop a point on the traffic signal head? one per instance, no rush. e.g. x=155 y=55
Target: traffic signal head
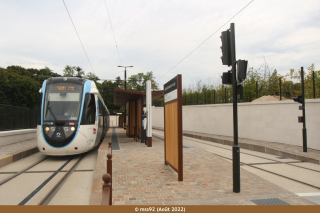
x=226 y=48
x=298 y=99
x=241 y=70
x=227 y=78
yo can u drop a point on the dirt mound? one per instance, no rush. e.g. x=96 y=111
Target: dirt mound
x=269 y=98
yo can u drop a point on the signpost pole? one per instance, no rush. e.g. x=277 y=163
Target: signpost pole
x=235 y=148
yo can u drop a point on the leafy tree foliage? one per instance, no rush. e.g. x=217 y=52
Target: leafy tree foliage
x=73 y=71
x=69 y=71
x=91 y=76
x=20 y=86
x=107 y=92
x=138 y=82
x=259 y=82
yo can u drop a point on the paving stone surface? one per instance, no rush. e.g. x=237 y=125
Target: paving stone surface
x=140 y=177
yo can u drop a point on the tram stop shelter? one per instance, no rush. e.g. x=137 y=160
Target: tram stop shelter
x=134 y=101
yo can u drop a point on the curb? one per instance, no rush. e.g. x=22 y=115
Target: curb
x=99 y=171
x=253 y=147
x=10 y=158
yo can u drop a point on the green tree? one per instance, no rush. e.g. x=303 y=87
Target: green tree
x=19 y=87
x=69 y=71
x=80 y=72
x=44 y=73
x=138 y=82
x=91 y=76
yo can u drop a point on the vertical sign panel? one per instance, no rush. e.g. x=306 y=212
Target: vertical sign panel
x=149 y=113
x=173 y=125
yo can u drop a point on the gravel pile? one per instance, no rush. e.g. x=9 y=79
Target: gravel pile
x=269 y=98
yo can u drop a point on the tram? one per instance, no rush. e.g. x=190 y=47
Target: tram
x=74 y=117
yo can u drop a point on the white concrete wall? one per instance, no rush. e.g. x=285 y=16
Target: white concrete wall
x=9 y=137
x=114 y=121
x=268 y=121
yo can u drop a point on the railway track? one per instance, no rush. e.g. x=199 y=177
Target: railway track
x=256 y=165
x=43 y=191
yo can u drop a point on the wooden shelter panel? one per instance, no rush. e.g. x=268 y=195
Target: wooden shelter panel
x=139 y=117
x=127 y=119
x=132 y=117
x=171 y=136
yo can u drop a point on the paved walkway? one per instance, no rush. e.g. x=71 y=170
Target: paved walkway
x=280 y=149
x=141 y=178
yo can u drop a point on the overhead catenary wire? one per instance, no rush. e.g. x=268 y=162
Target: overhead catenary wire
x=78 y=36
x=205 y=40
x=113 y=33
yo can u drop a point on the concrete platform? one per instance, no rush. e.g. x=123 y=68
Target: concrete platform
x=16 y=151
x=140 y=177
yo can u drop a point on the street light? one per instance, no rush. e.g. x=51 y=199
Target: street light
x=125 y=87
x=125 y=76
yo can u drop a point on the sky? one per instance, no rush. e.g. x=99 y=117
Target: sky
x=157 y=36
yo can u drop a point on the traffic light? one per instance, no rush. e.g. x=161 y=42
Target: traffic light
x=298 y=99
x=227 y=77
x=241 y=70
x=226 y=48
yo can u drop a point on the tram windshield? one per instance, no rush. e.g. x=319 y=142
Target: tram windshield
x=62 y=102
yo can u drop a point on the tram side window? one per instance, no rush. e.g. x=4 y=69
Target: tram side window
x=101 y=108
x=89 y=115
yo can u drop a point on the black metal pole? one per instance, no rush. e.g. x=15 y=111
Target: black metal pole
x=314 y=88
x=280 y=89
x=235 y=148
x=214 y=96
x=304 y=129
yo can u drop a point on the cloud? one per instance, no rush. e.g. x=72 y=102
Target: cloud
x=157 y=35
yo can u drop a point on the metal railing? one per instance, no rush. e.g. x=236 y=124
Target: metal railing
x=107 y=179
x=14 y=117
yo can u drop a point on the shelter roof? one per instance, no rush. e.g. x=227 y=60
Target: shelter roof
x=121 y=97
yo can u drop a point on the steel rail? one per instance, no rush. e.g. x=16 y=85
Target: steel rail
x=55 y=189
x=22 y=171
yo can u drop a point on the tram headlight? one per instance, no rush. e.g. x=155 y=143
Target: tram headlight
x=72 y=128
x=47 y=128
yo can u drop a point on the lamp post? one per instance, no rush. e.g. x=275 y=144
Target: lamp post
x=125 y=87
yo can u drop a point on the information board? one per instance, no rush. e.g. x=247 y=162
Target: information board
x=173 y=125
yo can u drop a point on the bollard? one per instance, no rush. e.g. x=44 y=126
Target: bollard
x=109 y=164
x=106 y=190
